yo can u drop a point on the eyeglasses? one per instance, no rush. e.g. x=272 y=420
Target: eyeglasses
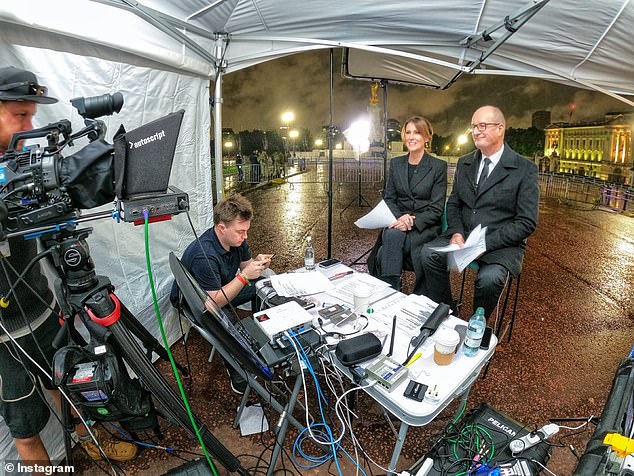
x=26 y=87
x=482 y=126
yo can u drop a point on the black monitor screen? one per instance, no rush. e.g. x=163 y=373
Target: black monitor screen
x=149 y=153
x=213 y=319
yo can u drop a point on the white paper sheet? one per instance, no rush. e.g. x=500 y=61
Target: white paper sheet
x=458 y=258
x=344 y=290
x=300 y=284
x=253 y=420
x=379 y=217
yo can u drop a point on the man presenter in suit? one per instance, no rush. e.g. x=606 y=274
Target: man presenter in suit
x=494 y=187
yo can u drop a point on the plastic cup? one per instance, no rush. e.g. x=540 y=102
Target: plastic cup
x=446 y=341
x=361 y=298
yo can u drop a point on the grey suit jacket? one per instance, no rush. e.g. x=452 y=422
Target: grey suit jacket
x=424 y=199
x=506 y=203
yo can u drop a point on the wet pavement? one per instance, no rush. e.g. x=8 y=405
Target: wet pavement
x=574 y=323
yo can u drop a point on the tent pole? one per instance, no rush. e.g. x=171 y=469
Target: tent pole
x=221 y=44
x=331 y=138
x=385 y=151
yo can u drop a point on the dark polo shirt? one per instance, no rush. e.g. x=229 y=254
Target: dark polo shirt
x=211 y=265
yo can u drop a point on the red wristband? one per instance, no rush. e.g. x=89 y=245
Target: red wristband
x=242 y=279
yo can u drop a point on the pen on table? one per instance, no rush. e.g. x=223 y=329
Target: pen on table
x=413 y=359
x=340 y=275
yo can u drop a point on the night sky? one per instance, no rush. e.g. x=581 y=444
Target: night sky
x=256 y=97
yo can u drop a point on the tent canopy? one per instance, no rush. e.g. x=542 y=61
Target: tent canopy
x=581 y=43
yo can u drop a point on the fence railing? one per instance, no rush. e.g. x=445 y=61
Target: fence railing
x=587 y=190
x=308 y=170
x=370 y=170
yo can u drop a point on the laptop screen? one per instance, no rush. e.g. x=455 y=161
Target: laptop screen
x=215 y=320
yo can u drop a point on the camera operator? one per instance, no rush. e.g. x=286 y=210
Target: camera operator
x=29 y=314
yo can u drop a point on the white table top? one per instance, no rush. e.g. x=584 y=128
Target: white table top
x=450 y=380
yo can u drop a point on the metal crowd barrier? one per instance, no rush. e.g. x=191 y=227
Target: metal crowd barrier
x=617 y=198
x=370 y=170
x=587 y=190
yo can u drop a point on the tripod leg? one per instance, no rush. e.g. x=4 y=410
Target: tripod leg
x=67 y=421
x=149 y=341
x=169 y=400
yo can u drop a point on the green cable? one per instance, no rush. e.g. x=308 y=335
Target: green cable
x=482 y=428
x=169 y=352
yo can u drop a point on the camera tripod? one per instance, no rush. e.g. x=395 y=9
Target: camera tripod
x=81 y=292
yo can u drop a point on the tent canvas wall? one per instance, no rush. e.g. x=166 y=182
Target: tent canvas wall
x=149 y=92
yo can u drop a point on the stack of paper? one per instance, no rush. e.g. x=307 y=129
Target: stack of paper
x=344 y=290
x=300 y=284
x=458 y=258
x=379 y=217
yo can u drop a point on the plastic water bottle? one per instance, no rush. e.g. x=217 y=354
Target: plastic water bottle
x=475 y=330
x=309 y=255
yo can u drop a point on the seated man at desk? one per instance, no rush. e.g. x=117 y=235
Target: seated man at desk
x=221 y=262
x=495 y=187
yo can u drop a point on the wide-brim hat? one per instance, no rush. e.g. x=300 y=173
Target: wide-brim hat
x=21 y=85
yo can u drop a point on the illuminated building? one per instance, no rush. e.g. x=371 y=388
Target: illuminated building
x=600 y=150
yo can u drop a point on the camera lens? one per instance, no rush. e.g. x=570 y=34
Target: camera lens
x=97 y=106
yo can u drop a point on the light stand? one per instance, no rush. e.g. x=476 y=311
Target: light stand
x=357 y=261
x=357 y=135
x=331 y=134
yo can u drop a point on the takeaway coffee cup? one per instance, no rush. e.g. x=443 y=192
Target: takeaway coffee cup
x=446 y=341
x=361 y=298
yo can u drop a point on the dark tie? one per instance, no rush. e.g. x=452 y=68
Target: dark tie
x=485 y=172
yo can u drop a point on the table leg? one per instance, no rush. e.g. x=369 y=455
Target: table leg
x=400 y=440
x=283 y=424
x=243 y=403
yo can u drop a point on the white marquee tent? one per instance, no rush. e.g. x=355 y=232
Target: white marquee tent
x=162 y=54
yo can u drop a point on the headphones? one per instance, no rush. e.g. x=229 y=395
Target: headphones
x=318 y=323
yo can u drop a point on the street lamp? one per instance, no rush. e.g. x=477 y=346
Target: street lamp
x=319 y=143
x=294 y=134
x=287 y=118
x=228 y=146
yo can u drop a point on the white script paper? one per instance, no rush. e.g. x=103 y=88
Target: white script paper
x=458 y=258
x=379 y=217
x=300 y=284
x=344 y=291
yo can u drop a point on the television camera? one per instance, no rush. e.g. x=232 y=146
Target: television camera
x=39 y=186
x=42 y=194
